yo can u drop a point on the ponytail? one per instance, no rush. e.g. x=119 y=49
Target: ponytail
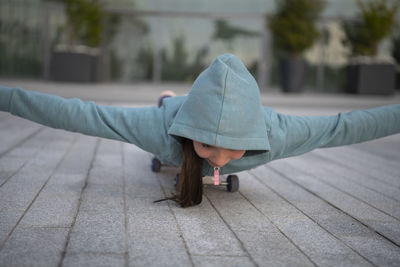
x=190 y=186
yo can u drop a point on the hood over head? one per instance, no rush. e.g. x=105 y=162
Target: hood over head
x=223 y=108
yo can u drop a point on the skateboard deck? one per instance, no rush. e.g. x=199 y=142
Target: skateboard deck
x=231 y=182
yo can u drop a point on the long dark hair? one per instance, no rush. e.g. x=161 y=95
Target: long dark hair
x=190 y=186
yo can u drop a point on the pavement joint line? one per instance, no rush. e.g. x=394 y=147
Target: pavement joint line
x=387 y=157
x=219 y=255
x=355 y=181
x=309 y=217
x=64 y=251
x=37 y=194
x=334 y=206
x=126 y=226
x=287 y=237
x=24 y=140
x=312 y=176
x=176 y=222
x=94 y=253
x=27 y=161
x=279 y=230
x=352 y=168
x=233 y=232
x=44 y=227
x=369 y=177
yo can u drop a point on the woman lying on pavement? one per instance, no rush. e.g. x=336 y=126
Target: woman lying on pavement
x=220 y=126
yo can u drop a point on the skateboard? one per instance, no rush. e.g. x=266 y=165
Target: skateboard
x=231 y=182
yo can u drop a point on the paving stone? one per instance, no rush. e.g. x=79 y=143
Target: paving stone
x=57 y=203
x=164 y=248
x=17 y=194
x=386 y=148
x=140 y=180
x=100 y=232
x=99 y=226
x=218 y=261
x=106 y=175
x=8 y=167
x=236 y=211
x=321 y=247
x=8 y=118
x=109 y=148
x=371 y=165
x=356 y=235
x=101 y=198
x=8 y=220
x=14 y=131
x=107 y=166
x=205 y=232
x=318 y=244
x=143 y=215
x=164 y=234
x=32 y=177
x=382 y=223
x=13 y=196
x=93 y=260
x=107 y=157
x=153 y=235
x=333 y=176
x=52 y=210
x=352 y=175
x=272 y=249
x=32 y=145
x=237 y=215
x=34 y=247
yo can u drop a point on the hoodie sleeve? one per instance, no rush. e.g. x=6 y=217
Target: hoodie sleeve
x=294 y=135
x=143 y=127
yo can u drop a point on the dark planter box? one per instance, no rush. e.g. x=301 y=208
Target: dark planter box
x=74 y=67
x=293 y=72
x=371 y=79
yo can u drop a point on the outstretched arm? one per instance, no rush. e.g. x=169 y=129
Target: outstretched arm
x=140 y=126
x=295 y=135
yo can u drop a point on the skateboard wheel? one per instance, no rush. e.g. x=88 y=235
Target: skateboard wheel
x=233 y=183
x=176 y=180
x=155 y=165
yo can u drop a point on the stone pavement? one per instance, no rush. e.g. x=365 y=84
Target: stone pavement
x=71 y=200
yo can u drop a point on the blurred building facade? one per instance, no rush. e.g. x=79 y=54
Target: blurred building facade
x=172 y=40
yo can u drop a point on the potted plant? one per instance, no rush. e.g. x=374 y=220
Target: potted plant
x=78 y=59
x=396 y=55
x=294 y=30
x=367 y=73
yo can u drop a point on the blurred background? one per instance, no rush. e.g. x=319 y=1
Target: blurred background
x=127 y=41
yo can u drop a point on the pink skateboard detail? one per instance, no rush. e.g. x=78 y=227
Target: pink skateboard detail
x=216 y=176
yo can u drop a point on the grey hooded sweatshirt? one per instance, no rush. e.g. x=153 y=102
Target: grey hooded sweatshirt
x=222 y=109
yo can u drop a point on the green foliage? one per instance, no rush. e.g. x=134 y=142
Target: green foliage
x=19 y=46
x=376 y=21
x=198 y=65
x=293 y=24
x=145 y=58
x=84 y=21
x=396 y=45
x=227 y=32
x=175 y=67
